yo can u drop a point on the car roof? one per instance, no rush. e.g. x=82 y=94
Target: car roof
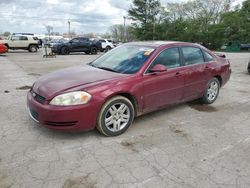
x=156 y=44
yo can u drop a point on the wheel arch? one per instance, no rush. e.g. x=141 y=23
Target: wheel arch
x=129 y=96
x=219 y=78
x=33 y=44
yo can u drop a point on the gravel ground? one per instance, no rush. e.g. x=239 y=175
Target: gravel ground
x=188 y=145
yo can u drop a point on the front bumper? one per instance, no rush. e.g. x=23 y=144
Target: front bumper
x=67 y=118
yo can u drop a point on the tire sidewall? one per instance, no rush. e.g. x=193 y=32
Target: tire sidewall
x=33 y=48
x=101 y=119
x=107 y=48
x=64 y=51
x=93 y=50
x=205 y=97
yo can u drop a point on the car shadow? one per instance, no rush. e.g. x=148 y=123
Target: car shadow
x=196 y=105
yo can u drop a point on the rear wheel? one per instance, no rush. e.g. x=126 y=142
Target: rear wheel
x=212 y=91
x=32 y=48
x=93 y=50
x=65 y=51
x=116 y=116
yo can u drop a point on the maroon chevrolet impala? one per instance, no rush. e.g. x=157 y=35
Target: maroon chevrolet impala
x=130 y=80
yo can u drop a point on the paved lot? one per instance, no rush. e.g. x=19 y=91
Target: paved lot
x=188 y=145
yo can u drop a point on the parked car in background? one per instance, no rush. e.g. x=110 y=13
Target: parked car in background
x=24 y=42
x=106 y=45
x=54 y=42
x=79 y=44
x=131 y=80
x=3 y=48
x=245 y=46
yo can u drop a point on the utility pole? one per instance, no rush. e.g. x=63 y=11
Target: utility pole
x=69 y=28
x=124 y=30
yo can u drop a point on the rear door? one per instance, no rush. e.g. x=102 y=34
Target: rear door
x=84 y=44
x=163 y=88
x=196 y=72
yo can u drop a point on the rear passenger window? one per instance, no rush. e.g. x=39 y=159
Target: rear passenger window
x=23 y=38
x=192 y=55
x=207 y=56
x=169 y=57
x=15 y=38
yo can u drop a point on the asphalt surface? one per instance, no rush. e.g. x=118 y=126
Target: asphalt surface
x=188 y=145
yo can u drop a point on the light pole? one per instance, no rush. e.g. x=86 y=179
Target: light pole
x=124 y=30
x=69 y=28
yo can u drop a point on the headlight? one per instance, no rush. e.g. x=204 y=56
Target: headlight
x=72 y=98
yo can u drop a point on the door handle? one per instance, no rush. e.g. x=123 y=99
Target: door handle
x=177 y=74
x=207 y=67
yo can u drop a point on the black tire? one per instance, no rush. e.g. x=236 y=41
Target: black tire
x=211 y=92
x=112 y=122
x=64 y=50
x=107 y=48
x=93 y=50
x=32 y=48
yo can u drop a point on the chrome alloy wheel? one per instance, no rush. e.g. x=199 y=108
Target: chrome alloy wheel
x=117 y=117
x=212 y=91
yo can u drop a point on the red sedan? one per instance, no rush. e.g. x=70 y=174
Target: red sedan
x=126 y=82
x=3 y=48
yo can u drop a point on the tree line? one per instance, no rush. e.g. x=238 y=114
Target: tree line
x=211 y=23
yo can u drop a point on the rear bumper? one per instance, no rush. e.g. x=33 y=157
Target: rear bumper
x=226 y=76
x=70 y=118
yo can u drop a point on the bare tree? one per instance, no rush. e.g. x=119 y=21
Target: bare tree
x=49 y=29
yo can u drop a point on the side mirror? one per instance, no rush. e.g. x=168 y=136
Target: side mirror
x=158 y=68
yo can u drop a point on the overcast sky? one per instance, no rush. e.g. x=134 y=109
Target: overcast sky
x=85 y=15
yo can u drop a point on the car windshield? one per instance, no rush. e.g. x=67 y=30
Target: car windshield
x=126 y=59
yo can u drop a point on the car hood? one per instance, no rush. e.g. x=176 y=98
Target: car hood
x=58 y=82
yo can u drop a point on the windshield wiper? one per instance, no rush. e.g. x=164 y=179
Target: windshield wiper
x=106 y=68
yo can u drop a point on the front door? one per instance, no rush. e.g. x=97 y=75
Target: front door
x=75 y=45
x=164 y=88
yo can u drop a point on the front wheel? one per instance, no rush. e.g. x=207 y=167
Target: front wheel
x=107 y=48
x=116 y=116
x=65 y=51
x=212 y=91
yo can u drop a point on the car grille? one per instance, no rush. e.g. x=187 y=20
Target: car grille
x=61 y=124
x=38 y=97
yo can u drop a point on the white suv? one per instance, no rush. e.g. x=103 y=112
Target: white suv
x=106 y=45
x=25 y=42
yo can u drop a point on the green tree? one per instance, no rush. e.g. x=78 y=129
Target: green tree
x=6 y=33
x=144 y=13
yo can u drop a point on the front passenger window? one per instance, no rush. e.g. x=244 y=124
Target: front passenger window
x=169 y=57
